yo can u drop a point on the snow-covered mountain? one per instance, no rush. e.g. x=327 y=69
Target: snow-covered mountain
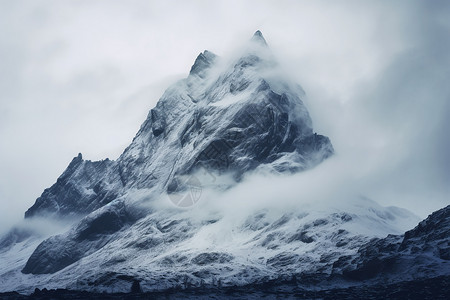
x=134 y=218
x=231 y=117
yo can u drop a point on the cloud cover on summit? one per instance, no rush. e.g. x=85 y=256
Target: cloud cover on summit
x=80 y=76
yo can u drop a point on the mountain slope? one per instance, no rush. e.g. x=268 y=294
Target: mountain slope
x=421 y=252
x=182 y=248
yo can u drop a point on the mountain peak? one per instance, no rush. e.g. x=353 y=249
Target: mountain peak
x=259 y=38
x=229 y=118
x=203 y=61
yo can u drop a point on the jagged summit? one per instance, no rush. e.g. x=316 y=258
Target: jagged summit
x=203 y=61
x=259 y=38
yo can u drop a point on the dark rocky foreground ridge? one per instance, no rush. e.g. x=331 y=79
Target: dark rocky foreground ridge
x=434 y=288
x=418 y=252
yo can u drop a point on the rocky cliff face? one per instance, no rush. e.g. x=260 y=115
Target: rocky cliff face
x=421 y=252
x=82 y=188
x=224 y=117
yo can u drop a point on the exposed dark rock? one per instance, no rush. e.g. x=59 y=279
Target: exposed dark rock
x=91 y=234
x=136 y=287
x=301 y=236
x=211 y=258
x=432 y=288
x=158 y=123
x=422 y=247
x=283 y=259
x=68 y=197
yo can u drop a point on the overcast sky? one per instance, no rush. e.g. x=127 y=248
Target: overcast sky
x=81 y=76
